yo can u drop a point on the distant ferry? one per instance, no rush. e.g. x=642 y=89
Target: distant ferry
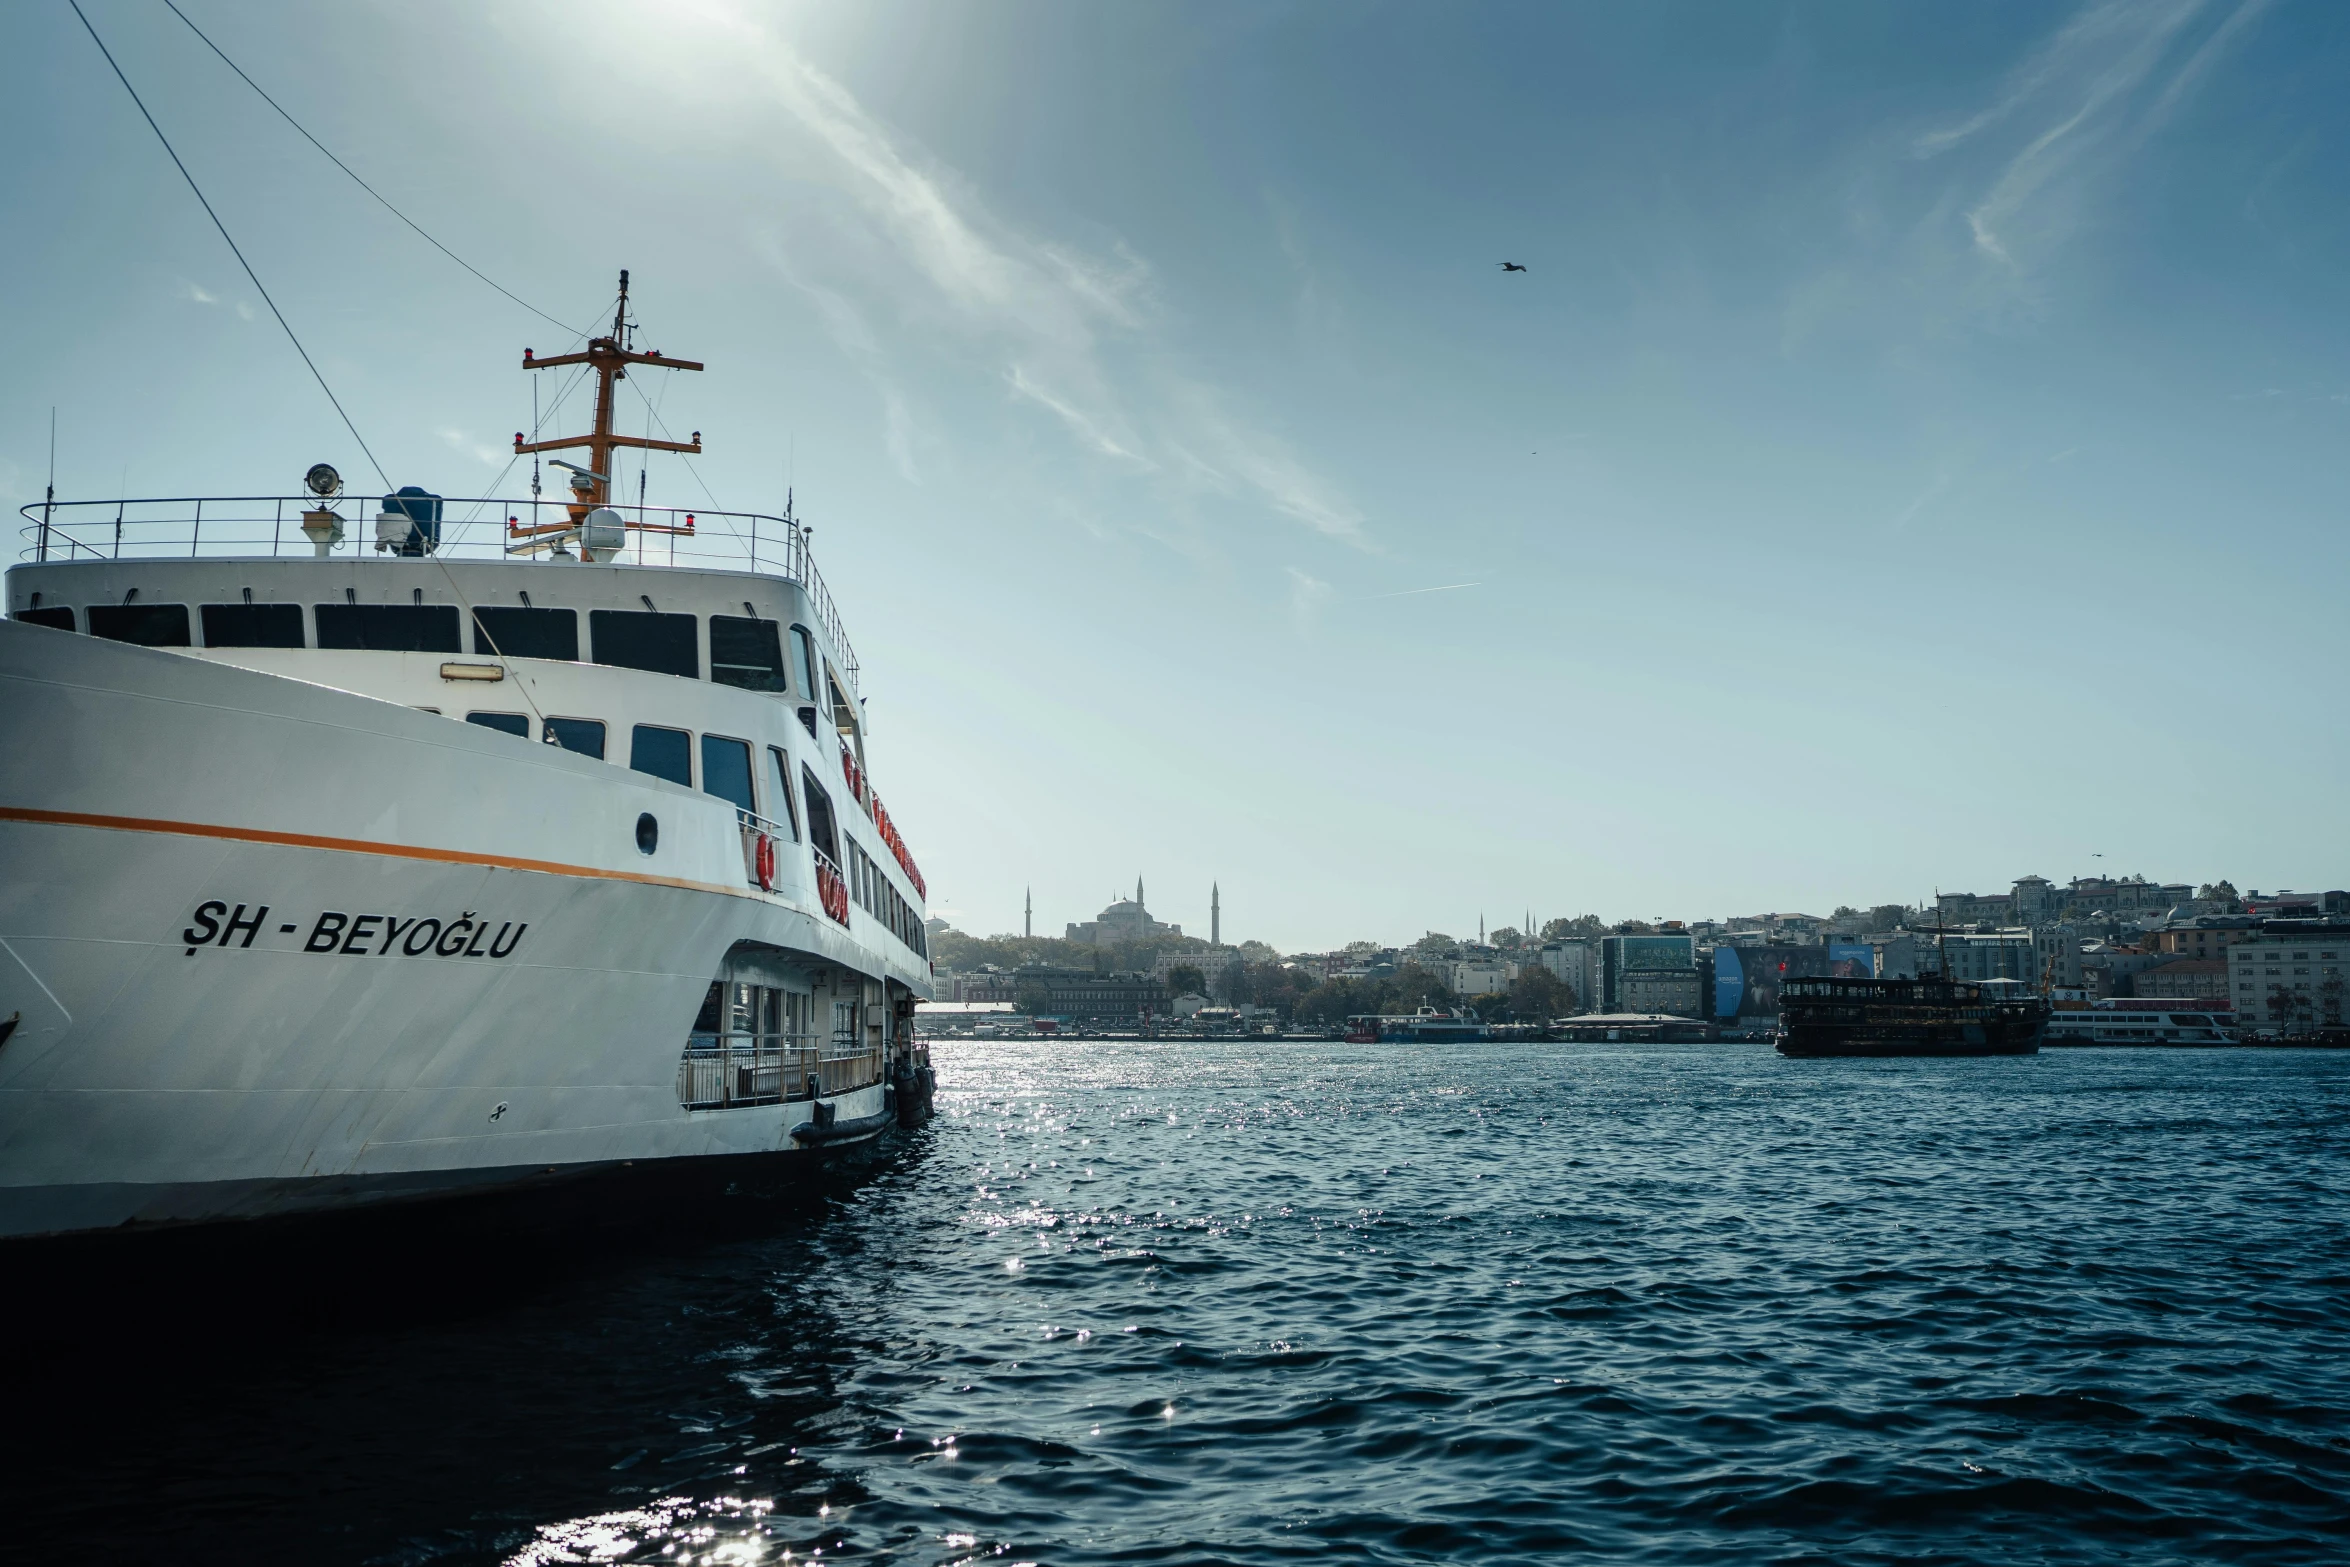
x=1422 y=1027
x=1908 y=1017
x=2103 y=1023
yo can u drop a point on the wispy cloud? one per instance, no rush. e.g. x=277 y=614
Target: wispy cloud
x=481 y=452
x=1307 y=596
x=2067 y=114
x=199 y=294
x=1406 y=593
x=1081 y=336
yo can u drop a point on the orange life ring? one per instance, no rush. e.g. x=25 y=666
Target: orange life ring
x=765 y=860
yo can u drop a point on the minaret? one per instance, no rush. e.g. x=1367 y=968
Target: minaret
x=1138 y=892
x=1215 y=915
x=1028 y=911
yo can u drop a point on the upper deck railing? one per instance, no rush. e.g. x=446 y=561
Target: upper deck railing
x=214 y=526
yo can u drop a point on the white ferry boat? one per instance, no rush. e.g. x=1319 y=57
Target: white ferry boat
x=498 y=841
x=2103 y=1023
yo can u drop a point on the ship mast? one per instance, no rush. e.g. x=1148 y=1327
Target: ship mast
x=610 y=358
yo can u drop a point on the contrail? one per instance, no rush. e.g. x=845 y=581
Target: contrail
x=1408 y=592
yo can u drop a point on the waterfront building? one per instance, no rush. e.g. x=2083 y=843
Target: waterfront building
x=1481 y=975
x=1049 y=991
x=2183 y=979
x=1650 y=974
x=1975 y=956
x=1123 y=921
x=2200 y=936
x=1574 y=960
x=1214 y=963
x=2290 y=975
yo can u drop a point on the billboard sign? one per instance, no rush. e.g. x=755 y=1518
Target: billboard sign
x=1746 y=979
x=1657 y=952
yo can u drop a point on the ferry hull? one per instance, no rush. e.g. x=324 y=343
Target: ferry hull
x=212 y=887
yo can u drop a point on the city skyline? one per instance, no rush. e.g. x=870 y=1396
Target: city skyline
x=1912 y=451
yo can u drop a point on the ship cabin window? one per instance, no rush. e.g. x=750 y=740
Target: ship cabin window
x=514 y=724
x=803 y=651
x=747 y=653
x=584 y=735
x=726 y=772
x=844 y=711
x=503 y=631
x=389 y=628
x=149 y=625
x=787 y=810
x=665 y=753
x=252 y=625
x=58 y=617
x=819 y=816
x=646 y=639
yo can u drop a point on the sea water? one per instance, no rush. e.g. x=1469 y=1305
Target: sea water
x=1225 y=1302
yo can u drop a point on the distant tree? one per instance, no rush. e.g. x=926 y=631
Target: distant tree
x=1361 y=949
x=1508 y=938
x=2329 y=1002
x=1258 y=952
x=1634 y=928
x=1888 y=916
x=1186 y=979
x=1492 y=1007
x=2281 y=1005
x=1845 y=911
x=1274 y=985
x=1436 y=944
x=1537 y=995
x=1032 y=997
x=1413 y=987
x=2218 y=892
x=1586 y=926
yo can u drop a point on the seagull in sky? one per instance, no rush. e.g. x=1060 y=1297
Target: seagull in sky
x=1511 y=266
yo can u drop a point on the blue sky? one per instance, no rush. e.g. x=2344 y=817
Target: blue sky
x=1914 y=457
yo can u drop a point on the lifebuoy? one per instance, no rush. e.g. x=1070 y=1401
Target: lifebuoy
x=766 y=862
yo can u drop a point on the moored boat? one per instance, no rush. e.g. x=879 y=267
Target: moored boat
x=1907 y=1017
x=534 y=841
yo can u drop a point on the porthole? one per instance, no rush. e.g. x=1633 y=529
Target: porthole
x=648 y=833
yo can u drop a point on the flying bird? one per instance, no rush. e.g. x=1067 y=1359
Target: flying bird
x=1511 y=266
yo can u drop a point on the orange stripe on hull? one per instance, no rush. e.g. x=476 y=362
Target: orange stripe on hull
x=396 y=851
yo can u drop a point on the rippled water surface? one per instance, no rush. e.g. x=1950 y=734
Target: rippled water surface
x=1131 y=1303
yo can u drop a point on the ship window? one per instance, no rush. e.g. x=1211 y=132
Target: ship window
x=584 y=735
x=252 y=625
x=804 y=655
x=747 y=653
x=504 y=723
x=819 y=816
x=646 y=639
x=389 y=628
x=149 y=625
x=503 y=631
x=665 y=753
x=844 y=711
x=789 y=813
x=726 y=771
x=58 y=617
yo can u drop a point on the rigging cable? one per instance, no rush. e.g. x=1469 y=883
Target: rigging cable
x=232 y=244
x=355 y=179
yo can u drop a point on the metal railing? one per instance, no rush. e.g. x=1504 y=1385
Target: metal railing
x=727 y=1071
x=269 y=526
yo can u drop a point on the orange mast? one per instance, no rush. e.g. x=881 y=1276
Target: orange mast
x=610 y=359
